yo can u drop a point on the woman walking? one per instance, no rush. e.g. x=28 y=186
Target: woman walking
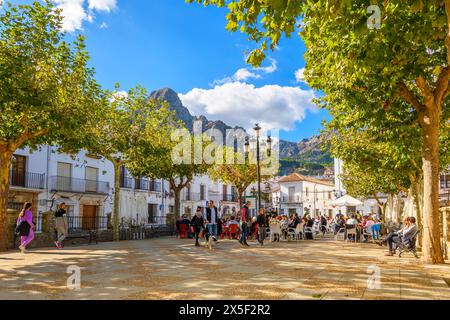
x=62 y=226
x=26 y=234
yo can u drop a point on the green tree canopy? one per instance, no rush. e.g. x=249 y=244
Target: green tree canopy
x=48 y=93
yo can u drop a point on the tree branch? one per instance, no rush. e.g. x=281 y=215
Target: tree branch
x=406 y=94
x=442 y=86
x=423 y=87
x=28 y=136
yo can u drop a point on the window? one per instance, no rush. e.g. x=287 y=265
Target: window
x=307 y=191
x=330 y=195
x=64 y=173
x=64 y=170
x=91 y=179
x=18 y=170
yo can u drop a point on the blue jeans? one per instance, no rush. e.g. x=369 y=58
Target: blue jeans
x=212 y=229
x=244 y=232
x=376 y=231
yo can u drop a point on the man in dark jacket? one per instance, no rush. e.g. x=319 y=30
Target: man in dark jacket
x=212 y=218
x=197 y=223
x=262 y=225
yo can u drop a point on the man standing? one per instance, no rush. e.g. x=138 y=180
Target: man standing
x=262 y=224
x=212 y=217
x=245 y=215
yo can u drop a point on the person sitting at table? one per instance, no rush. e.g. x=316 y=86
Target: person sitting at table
x=284 y=226
x=351 y=223
x=294 y=221
x=339 y=223
x=367 y=225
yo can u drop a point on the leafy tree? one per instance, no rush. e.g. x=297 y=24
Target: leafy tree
x=177 y=162
x=406 y=59
x=129 y=123
x=47 y=91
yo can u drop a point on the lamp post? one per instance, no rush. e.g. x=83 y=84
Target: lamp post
x=257 y=129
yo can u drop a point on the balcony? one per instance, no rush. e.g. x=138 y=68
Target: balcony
x=67 y=184
x=155 y=186
x=142 y=184
x=27 y=180
x=229 y=198
x=126 y=182
x=291 y=200
x=191 y=196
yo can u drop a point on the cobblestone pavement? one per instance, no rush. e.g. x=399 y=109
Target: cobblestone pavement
x=170 y=268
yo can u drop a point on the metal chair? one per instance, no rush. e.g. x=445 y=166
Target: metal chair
x=403 y=248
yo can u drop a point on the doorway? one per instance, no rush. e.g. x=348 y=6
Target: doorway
x=90 y=217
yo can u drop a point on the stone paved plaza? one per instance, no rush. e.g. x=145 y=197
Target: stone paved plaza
x=170 y=268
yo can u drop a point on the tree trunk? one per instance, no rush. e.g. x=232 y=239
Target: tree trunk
x=240 y=195
x=418 y=201
x=5 y=166
x=431 y=252
x=116 y=222
x=177 y=193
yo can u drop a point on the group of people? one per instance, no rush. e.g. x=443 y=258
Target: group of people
x=212 y=225
x=367 y=225
x=25 y=226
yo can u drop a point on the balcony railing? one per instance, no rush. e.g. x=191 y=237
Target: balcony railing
x=229 y=198
x=291 y=199
x=191 y=196
x=126 y=182
x=155 y=186
x=27 y=180
x=87 y=223
x=142 y=184
x=67 y=184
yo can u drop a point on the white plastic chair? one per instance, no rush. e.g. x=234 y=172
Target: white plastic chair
x=275 y=229
x=297 y=233
x=341 y=232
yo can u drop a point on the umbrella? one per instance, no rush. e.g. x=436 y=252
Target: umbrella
x=346 y=201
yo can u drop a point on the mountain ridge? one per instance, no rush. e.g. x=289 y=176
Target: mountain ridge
x=304 y=152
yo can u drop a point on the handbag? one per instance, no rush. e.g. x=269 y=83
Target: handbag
x=23 y=229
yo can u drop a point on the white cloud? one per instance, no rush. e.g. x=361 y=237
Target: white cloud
x=75 y=12
x=245 y=74
x=300 y=75
x=243 y=104
x=102 y=5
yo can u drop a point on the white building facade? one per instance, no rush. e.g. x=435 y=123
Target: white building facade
x=305 y=195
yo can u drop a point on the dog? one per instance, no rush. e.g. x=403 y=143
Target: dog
x=210 y=240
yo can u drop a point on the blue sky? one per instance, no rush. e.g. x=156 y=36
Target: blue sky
x=168 y=43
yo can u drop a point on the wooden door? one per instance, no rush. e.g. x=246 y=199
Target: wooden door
x=18 y=168
x=89 y=217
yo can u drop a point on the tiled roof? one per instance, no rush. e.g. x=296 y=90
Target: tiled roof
x=295 y=177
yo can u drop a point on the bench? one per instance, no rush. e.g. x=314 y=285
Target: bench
x=81 y=234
